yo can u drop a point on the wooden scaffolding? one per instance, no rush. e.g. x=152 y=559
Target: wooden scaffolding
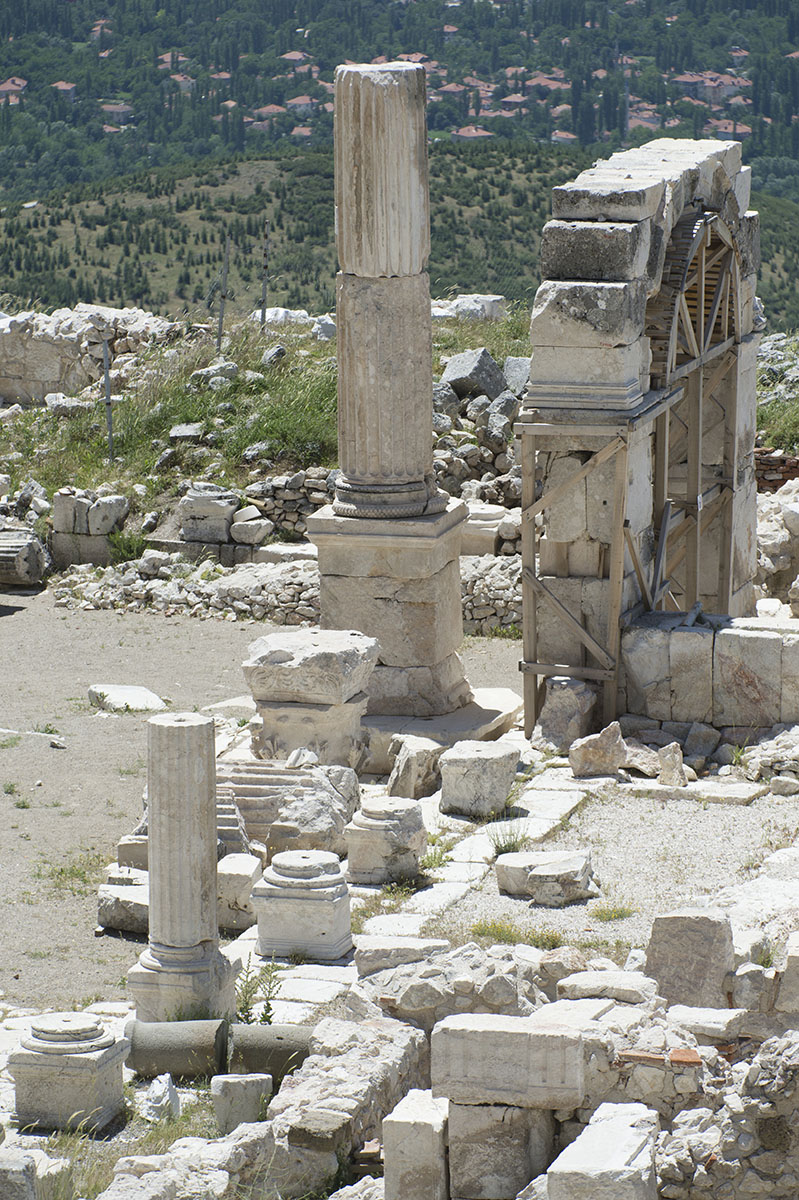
x=694 y=328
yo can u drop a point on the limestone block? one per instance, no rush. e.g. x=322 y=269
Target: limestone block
x=382 y=202
x=672 y=771
x=645 y=656
x=415 y=1148
x=235 y=876
x=710 y=1026
x=17 y=1175
x=789 y=702
x=495 y=1150
x=419 y=691
x=106 y=514
x=747 y=676
x=597 y=250
x=303 y=905
x=788 y=993
x=374 y=954
x=612 y=1159
x=385 y=840
x=599 y=753
x=480 y=529
x=122 y=697
x=132 y=851
x=517 y=373
x=384 y=372
x=125 y=908
x=588 y=314
x=604 y=194
x=474 y=373
x=407 y=548
x=589 y=377
x=67 y=1073
x=481 y=1058
x=476 y=777
x=331 y=731
x=556 y=643
x=626 y=987
x=310 y=666
x=567 y=518
x=206 y=513
x=251 y=533
x=690 y=953
x=691 y=674
x=239 y=1098
x=416 y=621
x=415 y=772
x=552 y=878
x=566 y=714
x=64 y=510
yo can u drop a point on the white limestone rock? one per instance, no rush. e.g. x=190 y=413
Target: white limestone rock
x=235 y=876
x=627 y=987
x=612 y=1159
x=672 y=771
x=566 y=714
x=415 y=772
x=122 y=697
x=690 y=954
x=599 y=753
x=385 y=840
x=310 y=666
x=476 y=777
x=415 y=1148
x=494 y=1149
x=552 y=878
x=239 y=1098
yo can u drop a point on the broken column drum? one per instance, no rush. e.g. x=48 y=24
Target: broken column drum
x=182 y=973
x=385 y=839
x=389 y=544
x=303 y=906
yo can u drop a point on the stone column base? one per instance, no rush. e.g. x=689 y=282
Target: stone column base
x=398 y=581
x=166 y=987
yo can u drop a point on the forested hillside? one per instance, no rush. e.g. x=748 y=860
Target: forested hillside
x=142 y=133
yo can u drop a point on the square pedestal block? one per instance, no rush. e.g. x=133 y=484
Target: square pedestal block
x=496 y=1149
x=67 y=1073
x=175 y=987
x=398 y=581
x=303 y=905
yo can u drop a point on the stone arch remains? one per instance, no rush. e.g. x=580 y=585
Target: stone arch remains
x=637 y=431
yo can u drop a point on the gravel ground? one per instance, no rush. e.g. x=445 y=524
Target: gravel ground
x=64 y=810
x=650 y=856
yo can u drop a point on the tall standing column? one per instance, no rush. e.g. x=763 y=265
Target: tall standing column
x=389 y=544
x=182 y=973
x=383 y=295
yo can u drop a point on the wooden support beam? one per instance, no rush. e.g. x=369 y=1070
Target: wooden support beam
x=591 y=644
x=563 y=489
x=694 y=485
x=639 y=572
x=661 y=447
x=616 y=578
x=549 y=669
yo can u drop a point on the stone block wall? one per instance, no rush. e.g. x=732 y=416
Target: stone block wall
x=741 y=672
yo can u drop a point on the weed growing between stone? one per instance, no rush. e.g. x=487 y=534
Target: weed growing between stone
x=79 y=876
x=507 y=933
x=254 y=986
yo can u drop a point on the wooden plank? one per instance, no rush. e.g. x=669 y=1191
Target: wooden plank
x=719 y=372
x=721 y=286
x=567 y=429
x=661 y=448
x=709 y=515
x=708 y=356
x=593 y=646
x=694 y=485
x=726 y=540
x=529 y=617
x=641 y=577
x=549 y=669
x=616 y=577
x=563 y=489
x=688 y=326
x=660 y=553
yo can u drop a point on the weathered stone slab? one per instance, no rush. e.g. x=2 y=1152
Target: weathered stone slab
x=690 y=953
x=588 y=314
x=553 y=878
x=599 y=753
x=478 y=1059
x=476 y=777
x=310 y=666
x=628 y=987
x=600 y=250
x=239 y=1098
x=415 y=1148
x=566 y=713
x=747 y=675
x=121 y=697
x=494 y=1150
x=474 y=373
x=415 y=772
x=645 y=656
x=710 y=1026
x=612 y=1159
x=235 y=876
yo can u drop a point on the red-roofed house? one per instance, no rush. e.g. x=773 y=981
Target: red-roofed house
x=470 y=133
x=185 y=83
x=13 y=86
x=301 y=105
x=68 y=90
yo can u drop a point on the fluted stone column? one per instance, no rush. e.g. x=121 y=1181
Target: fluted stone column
x=383 y=294
x=390 y=542
x=182 y=973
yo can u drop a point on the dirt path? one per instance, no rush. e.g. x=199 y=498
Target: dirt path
x=63 y=810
